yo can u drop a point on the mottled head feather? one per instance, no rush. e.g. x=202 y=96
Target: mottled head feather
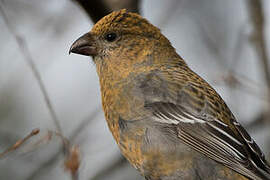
x=126 y=22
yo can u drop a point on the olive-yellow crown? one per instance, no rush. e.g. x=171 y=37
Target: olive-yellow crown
x=125 y=22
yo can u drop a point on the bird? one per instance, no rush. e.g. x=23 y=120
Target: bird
x=168 y=122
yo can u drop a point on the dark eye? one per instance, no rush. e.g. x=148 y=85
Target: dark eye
x=110 y=37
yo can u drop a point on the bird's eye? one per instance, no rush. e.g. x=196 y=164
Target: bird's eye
x=110 y=37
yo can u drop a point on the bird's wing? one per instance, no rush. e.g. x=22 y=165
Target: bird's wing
x=204 y=122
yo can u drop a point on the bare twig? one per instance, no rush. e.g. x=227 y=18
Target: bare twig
x=120 y=162
x=72 y=162
x=96 y=9
x=238 y=82
x=258 y=38
x=19 y=143
x=30 y=62
x=259 y=41
x=260 y=120
x=72 y=157
x=42 y=140
x=211 y=43
x=43 y=167
x=84 y=123
x=232 y=78
x=71 y=152
x=50 y=163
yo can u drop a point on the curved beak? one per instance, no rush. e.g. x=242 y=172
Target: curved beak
x=85 y=45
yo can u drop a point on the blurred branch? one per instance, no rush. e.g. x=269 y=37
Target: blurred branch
x=30 y=62
x=44 y=166
x=19 y=143
x=72 y=157
x=73 y=161
x=211 y=44
x=238 y=82
x=231 y=77
x=259 y=41
x=71 y=152
x=84 y=123
x=49 y=164
x=259 y=121
x=166 y=17
x=96 y=9
x=258 y=38
x=120 y=162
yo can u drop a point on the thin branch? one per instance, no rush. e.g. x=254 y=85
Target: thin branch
x=258 y=37
x=259 y=121
x=30 y=62
x=73 y=161
x=19 y=143
x=259 y=41
x=232 y=77
x=238 y=82
x=43 y=167
x=50 y=163
x=84 y=123
x=120 y=162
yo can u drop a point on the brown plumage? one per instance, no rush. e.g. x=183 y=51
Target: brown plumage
x=168 y=122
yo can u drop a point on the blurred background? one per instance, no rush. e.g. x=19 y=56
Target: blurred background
x=41 y=86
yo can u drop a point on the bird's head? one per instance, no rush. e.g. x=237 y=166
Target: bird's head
x=119 y=36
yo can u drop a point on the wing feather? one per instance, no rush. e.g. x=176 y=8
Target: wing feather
x=180 y=97
x=212 y=138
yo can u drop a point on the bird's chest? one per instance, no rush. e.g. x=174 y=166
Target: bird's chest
x=118 y=101
x=131 y=144
x=119 y=108
x=129 y=139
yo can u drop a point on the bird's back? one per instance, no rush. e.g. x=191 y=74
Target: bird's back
x=161 y=150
